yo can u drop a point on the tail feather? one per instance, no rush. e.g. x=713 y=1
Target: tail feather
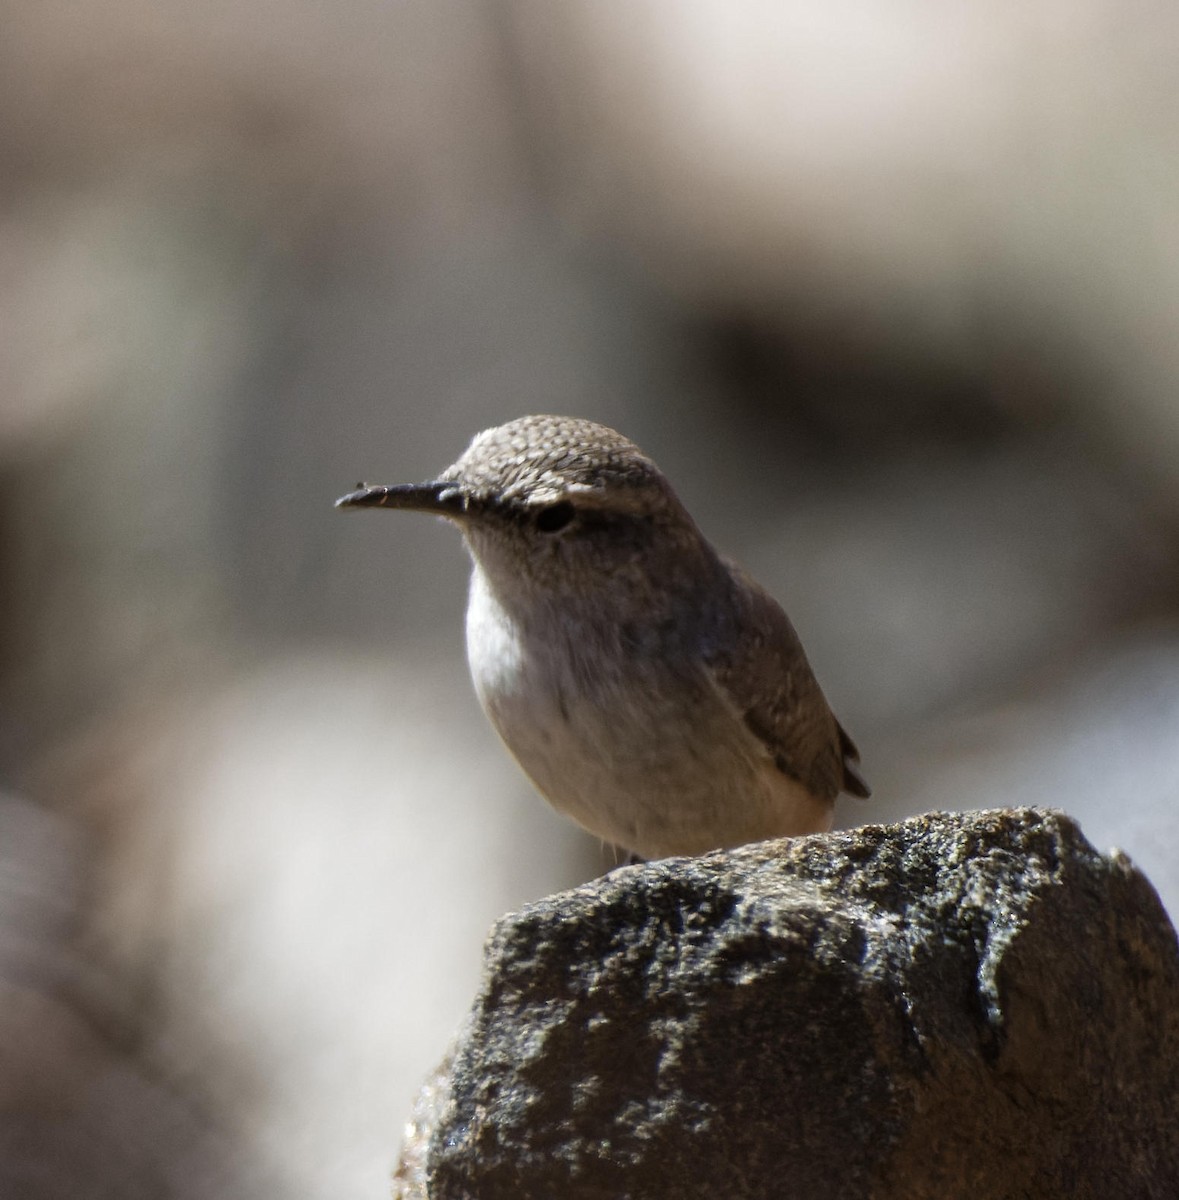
x=853 y=782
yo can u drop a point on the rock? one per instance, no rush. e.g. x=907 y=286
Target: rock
x=957 y=1005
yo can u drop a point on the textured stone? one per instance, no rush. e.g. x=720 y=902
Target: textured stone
x=976 y=1004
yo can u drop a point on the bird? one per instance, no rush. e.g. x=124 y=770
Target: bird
x=650 y=688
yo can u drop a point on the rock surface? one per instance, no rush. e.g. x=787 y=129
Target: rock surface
x=957 y=1005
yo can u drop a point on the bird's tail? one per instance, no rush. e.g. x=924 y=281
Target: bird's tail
x=853 y=782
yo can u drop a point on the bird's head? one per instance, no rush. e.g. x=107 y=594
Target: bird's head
x=551 y=501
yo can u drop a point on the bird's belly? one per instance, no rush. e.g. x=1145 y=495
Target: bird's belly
x=648 y=758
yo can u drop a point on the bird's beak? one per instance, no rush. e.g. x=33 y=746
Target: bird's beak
x=440 y=496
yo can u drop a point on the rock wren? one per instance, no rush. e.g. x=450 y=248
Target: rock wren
x=650 y=689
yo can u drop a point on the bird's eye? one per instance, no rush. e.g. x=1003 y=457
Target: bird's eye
x=554 y=517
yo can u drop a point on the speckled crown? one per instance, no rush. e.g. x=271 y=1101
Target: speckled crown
x=552 y=454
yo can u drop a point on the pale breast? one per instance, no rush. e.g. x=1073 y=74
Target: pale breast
x=641 y=751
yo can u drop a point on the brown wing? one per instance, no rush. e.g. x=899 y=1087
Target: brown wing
x=771 y=686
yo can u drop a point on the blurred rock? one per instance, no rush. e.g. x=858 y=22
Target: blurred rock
x=266 y=845
x=943 y=581
x=867 y=175
x=960 y=1004
x=80 y=1116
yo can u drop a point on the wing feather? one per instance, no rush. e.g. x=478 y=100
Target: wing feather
x=771 y=686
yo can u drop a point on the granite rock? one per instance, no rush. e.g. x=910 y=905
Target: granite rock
x=959 y=1004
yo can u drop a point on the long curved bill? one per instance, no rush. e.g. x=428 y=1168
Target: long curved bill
x=440 y=496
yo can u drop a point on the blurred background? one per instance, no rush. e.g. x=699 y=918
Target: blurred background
x=888 y=290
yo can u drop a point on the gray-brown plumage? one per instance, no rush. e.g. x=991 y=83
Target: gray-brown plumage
x=650 y=689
